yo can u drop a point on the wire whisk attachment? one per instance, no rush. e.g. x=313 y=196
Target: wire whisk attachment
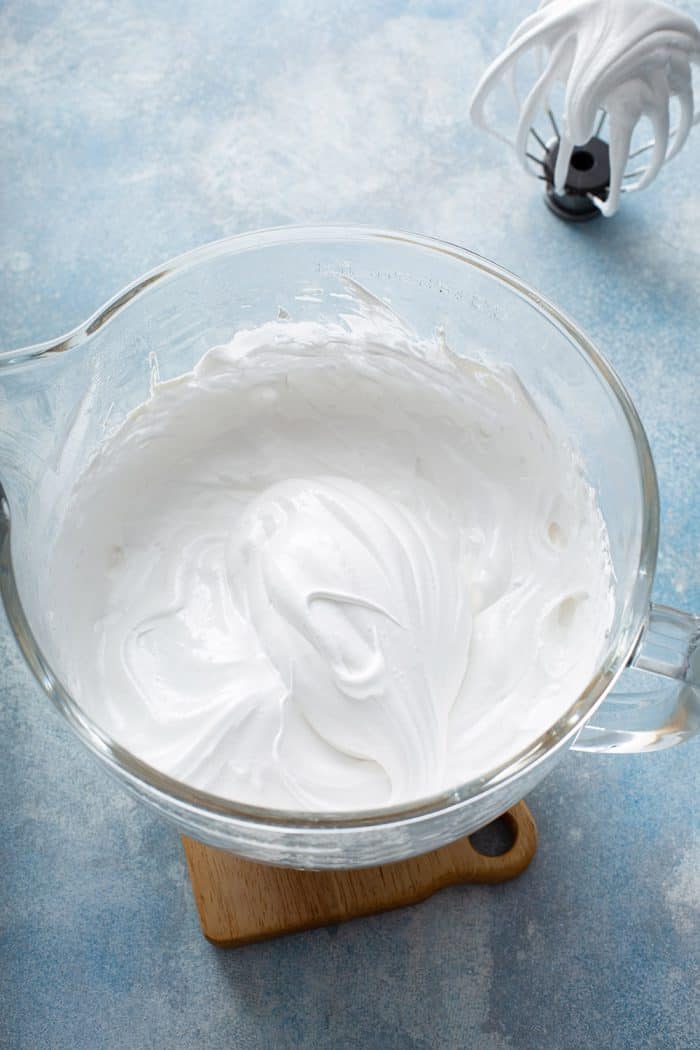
x=615 y=64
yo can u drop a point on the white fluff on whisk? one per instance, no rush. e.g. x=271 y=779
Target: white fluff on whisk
x=628 y=58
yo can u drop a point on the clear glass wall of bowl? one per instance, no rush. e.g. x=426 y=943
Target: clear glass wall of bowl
x=57 y=403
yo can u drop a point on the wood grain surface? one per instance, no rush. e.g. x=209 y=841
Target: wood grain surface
x=240 y=901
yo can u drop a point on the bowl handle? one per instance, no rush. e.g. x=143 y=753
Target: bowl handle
x=656 y=704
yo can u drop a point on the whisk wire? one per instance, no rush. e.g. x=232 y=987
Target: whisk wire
x=553 y=122
x=651 y=144
x=542 y=143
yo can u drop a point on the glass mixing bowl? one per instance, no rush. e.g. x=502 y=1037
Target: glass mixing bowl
x=57 y=397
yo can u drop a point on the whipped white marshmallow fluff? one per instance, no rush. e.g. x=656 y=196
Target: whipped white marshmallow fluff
x=332 y=567
x=626 y=58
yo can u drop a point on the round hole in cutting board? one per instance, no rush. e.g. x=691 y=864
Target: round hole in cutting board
x=495 y=839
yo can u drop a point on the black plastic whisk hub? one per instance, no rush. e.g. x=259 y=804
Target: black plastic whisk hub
x=588 y=175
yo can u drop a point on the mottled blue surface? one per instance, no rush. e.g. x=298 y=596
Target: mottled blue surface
x=133 y=131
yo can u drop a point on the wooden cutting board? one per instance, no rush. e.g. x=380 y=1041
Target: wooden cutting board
x=240 y=901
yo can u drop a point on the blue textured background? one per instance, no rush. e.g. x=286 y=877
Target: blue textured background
x=133 y=131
